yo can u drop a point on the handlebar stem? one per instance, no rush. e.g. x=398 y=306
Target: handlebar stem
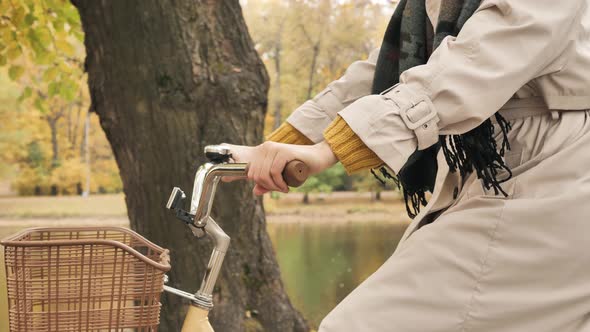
x=206 y=179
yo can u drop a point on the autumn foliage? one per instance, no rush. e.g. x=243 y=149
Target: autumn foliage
x=52 y=144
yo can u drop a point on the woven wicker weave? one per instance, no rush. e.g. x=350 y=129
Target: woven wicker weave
x=83 y=279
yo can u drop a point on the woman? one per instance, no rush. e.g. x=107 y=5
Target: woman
x=495 y=123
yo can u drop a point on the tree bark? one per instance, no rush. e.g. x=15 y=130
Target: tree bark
x=167 y=78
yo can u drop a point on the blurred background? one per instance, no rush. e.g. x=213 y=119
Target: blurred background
x=57 y=167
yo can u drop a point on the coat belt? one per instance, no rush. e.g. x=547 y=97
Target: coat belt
x=518 y=108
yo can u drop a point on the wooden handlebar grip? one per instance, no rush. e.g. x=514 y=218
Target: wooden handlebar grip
x=295 y=173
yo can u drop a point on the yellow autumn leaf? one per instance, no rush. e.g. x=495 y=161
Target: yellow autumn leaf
x=65 y=47
x=50 y=74
x=13 y=52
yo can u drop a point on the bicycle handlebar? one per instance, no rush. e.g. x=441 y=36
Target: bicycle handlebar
x=198 y=217
x=295 y=173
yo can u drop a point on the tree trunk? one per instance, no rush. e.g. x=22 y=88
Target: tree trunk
x=316 y=48
x=52 y=122
x=312 y=69
x=278 y=104
x=74 y=140
x=305 y=198
x=167 y=78
x=86 y=148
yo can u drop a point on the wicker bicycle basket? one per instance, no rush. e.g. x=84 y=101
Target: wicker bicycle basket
x=83 y=279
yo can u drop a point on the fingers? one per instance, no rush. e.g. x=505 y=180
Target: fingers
x=259 y=191
x=231 y=178
x=266 y=178
x=276 y=173
x=266 y=170
x=266 y=163
x=261 y=169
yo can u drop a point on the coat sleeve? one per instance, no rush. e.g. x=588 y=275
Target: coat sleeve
x=502 y=47
x=311 y=118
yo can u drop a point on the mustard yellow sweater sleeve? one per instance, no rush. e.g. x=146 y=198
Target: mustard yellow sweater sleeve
x=349 y=148
x=354 y=155
x=288 y=134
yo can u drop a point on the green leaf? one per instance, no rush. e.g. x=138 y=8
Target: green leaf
x=44 y=35
x=18 y=16
x=26 y=94
x=36 y=44
x=2 y=60
x=30 y=19
x=79 y=35
x=31 y=7
x=68 y=90
x=53 y=88
x=39 y=39
x=58 y=24
x=45 y=58
x=39 y=105
x=15 y=72
x=50 y=74
x=71 y=15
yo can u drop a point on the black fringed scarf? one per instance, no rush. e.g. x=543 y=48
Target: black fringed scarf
x=405 y=45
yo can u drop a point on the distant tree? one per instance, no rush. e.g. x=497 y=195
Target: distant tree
x=40 y=45
x=41 y=51
x=329 y=180
x=366 y=182
x=268 y=26
x=307 y=44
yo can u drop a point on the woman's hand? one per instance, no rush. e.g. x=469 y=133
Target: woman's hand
x=268 y=160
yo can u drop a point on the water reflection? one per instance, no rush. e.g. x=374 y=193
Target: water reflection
x=322 y=263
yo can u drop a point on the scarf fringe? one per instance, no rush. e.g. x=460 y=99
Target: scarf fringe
x=413 y=199
x=476 y=150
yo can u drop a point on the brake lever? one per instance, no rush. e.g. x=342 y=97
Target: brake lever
x=175 y=203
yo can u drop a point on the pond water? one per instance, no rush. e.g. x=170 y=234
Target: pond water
x=320 y=263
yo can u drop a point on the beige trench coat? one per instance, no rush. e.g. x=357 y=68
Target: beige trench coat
x=471 y=260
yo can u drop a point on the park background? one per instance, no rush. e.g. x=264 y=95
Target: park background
x=57 y=166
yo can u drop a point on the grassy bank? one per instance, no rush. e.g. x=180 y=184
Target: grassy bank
x=63 y=206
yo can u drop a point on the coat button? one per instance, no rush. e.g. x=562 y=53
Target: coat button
x=455 y=193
